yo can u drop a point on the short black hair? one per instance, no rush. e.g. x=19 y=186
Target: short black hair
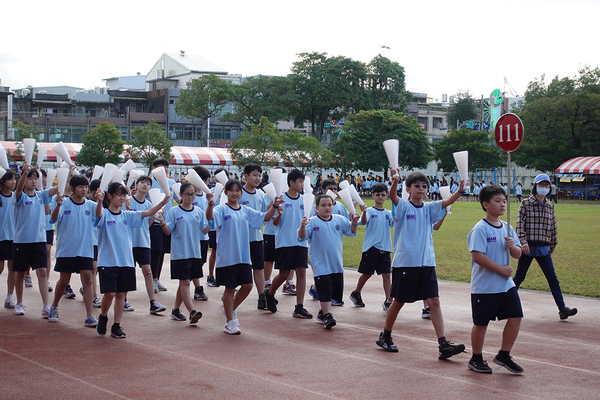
x=294 y=175
x=94 y=185
x=231 y=183
x=249 y=168
x=202 y=172
x=114 y=188
x=7 y=176
x=416 y=177
x=184 y=186
x=379 y=187
x=160 y=162
x=78 y=180
x=329 y=182
x=144 y=178
x=486 y=194
x=32 y=172
x=321 y=197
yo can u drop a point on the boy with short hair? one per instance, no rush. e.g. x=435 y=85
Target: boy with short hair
x=413 y=276
x=325 y=234
x=377 y=246
x=493 y=292
x=269 y=231
x=291 y=255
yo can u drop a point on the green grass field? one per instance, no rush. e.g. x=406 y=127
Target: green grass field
x=576 y=258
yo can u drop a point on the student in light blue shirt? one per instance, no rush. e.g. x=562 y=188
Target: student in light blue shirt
x=7 y=232
x=91 y=195
x=212 y=243
x=115 y=259
x=325 y=234
x=202 y=202
x=493 y=292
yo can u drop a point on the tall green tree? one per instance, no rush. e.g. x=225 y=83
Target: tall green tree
x=149 y=143
x=303 y=152
x=387 y=84
x=24 y=131
x=561 y=120
x=361 y=145
x=204 y=97
x=263 y=96
x=101 y=145
x=258 y=145
x=480 y=145
x=463 y=109
x=329 y=88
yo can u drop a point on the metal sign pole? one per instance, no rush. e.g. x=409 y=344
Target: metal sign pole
x=508 y=207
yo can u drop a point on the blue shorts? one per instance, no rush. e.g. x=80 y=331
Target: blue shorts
x=489 y=307
x=413 y=284
x=26 y=254
x=257 y=255
x=95 y=252
x=50 y=237
x=269 y=247
x=234 y=275
x=156 y=238
x=141 y=256
x=73 y=265
x=289 y=258
x=186 y=269
x=6 y=250
x=204 y=250
x=375 y=260
x=212 y=239
x=117 y=279
x=330 y=287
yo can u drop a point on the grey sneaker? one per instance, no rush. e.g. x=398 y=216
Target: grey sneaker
x=53 y=317
x=156 y=307
x=199 y=294
x=127 y=306
x=160 y=286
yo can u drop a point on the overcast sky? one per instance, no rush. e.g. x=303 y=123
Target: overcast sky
x=444 y=46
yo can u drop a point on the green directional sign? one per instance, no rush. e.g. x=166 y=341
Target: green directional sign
x=470 y=124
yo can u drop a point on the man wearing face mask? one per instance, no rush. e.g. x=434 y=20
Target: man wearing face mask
x=536 y=229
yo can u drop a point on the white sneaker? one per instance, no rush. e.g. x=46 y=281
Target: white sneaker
x=234 y=315
x=28 y=282
x=97 y=303
x=20 y=309
x=10 y=302
x=127 y=306
x=155 y=286
x=53 y=317
x=46 y=311
x=232 y=328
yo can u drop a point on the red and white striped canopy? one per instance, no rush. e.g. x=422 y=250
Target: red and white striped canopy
x=580 y=165
x=72 y=148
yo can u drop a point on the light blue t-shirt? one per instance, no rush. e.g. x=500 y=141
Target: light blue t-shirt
x=201 y=202
x=74 y=229
x=338 y=209
x=519 y=190
x=185 y=226
x=256 y=202
x=377 y=231
x=140 y=237
x=30 y=217
x=490 y=240
x=7 y=217
x=326 y=239
x=233 y=233
x=413 y=242
x=287 y=231
x=114 y=237
x=268 y=227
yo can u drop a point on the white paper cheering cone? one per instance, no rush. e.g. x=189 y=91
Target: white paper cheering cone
x=222 y=177
x=445 y=192
x=343 y=184
x=2 y=172
x=175 y=189
x=28 y=146
x=61 y=151
x=270 y=191
x=128 y=166
x=62 y=174
x=41 y=155
x=346 y=198
x=405 y=194
x=276 y=178
x=223 y=198
x=331 y=194
x=308 y=199
x=284 y=184
x=50 y=175
x=3 y=158
x=392 y=148
x=156 y=196
x=109 y=172
x=355 y=195
x=193 y=178
x=161 y=177
x=307 y=186
x=118 y=176
x=462 y=163
x=59 y=160
x=218 y=190
x=133 y=177
x=98 y=170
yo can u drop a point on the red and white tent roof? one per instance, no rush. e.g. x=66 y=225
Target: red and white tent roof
x=580 y=165
x=72 y=148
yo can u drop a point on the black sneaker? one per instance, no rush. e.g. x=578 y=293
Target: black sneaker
x=449 y=349
x=177 y=315
x=199 y=294
x=567 y=312
x=356 y=298
x=426 y=314
x=102 y=322
x=509 y=364
x=211 y=281
x=262 y=302
x=300 y=312
x=386 y=344
x=156 y=307
x=195 y=316
x=479 y=366
x=320 y=317
x=271 y=302
x=328 y=321
x=117 y=332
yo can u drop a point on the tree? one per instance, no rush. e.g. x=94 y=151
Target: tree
x=260 y=145
x=269 y=96
x=480 y=144
x=328 y=88
x=561 y=120
x=24 y=131
x=205 y=97
x=387 y=84
x=101 y=145
x=361 y=145
x=150 y=142
x=303 y=152
x=463 y=108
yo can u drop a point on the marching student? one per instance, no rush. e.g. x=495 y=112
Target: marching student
x=269 y=231
x=184 y=224
x=325 y=234
x=212 y=243
x=202 y=202
x=91 y=195
x=233 y=264
x=115 y=258
x=7 y=233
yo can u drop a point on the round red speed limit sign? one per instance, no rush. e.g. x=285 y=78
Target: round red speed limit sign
x=509 y=132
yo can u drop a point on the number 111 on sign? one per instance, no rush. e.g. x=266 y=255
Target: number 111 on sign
x=501 y=138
